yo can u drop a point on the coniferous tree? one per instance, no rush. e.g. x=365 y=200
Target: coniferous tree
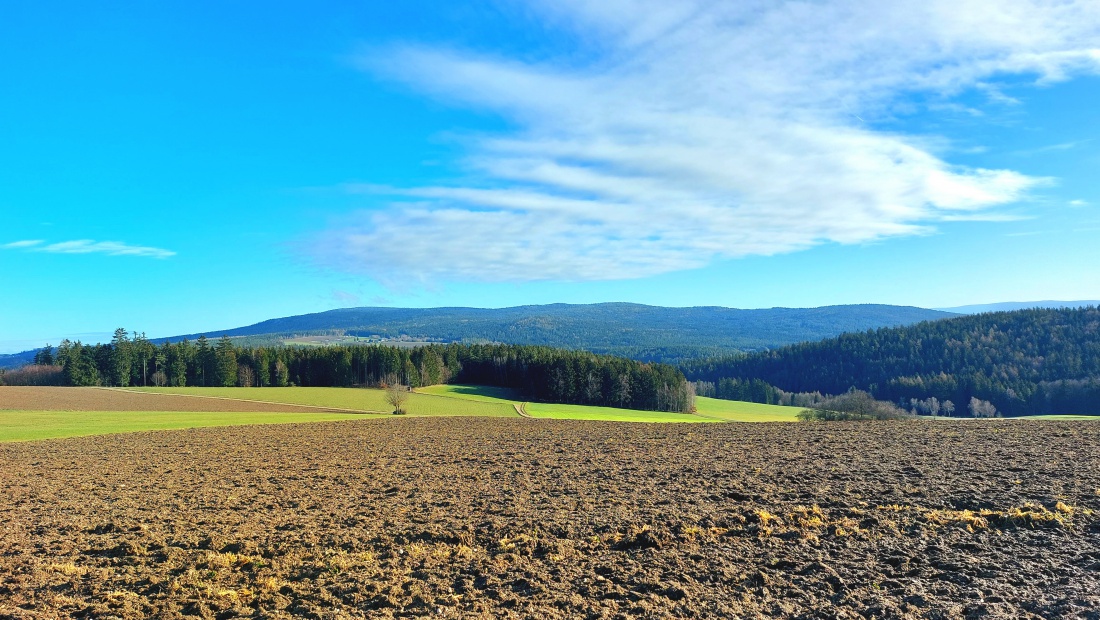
x=44 y=357
x=226 y=363
x=121 y=358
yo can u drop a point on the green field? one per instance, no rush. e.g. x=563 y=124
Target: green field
x=439 y=400
x=738 y=411
x=1058 y=417
x=477 y=393
x=487 y=394
x=32 y=425
x=367 y=400
x=607 y=414
x=708 y=409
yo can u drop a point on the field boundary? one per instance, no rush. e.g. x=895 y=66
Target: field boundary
x=249 y=400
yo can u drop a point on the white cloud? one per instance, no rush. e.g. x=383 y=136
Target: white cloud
x=88 y=246
x=27 y=243
x=1078 y=203
x=704 y=131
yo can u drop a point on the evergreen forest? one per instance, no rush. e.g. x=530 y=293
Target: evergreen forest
x=1040 y=361
x=540 y=373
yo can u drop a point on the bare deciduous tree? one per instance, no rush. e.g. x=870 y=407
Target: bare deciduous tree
x=245 y=375
x=982 y=408
x=396 y=395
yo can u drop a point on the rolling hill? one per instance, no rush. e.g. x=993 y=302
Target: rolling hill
x=15 y=360
x=1039 y=361
x=631 y=330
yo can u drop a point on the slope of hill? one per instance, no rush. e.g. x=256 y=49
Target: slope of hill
x=15 y=360
x=1008 y=306
x=632 y=330
x=1024 y=362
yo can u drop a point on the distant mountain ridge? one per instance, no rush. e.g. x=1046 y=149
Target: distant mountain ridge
x=631 y=330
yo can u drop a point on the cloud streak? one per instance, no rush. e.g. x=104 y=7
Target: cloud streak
x=705 y=131
x=89 y=246
x=16 y=245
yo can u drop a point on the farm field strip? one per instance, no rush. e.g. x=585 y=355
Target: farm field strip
x=739 y=411
x=713 y=408
x=242 y=400
x=358 y=399
x=477 y=393
x=553 y=411
x=104 y=399
x=36 y=425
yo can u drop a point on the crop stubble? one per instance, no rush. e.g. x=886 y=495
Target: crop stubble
x=454 y=517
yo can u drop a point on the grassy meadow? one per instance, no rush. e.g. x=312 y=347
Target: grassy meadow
x=707 y=409
x=438 y=400
x=354 y=399
x=470 y=400
x=738 y=411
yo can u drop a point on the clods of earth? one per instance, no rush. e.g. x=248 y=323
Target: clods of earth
x=516 y=518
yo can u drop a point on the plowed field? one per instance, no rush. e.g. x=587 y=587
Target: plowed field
x=100 y=399
x=517 y=518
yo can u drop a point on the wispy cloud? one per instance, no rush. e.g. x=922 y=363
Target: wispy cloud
x=27 y=243
x=700 y=131
x=345 y=298
x=1078 y=203
x=88 y=246
x=1051 y=148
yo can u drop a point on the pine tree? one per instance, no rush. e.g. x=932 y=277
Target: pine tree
x=226 y=356
x=121 y=358
x=203 y=359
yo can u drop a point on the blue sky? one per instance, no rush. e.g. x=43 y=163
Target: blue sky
x=181 y=167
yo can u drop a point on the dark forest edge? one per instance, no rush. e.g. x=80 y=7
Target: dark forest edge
x=1027 y=362
x=540 y=373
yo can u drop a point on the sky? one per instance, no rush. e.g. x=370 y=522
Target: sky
x=179 y=167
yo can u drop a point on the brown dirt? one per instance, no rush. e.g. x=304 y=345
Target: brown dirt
x=514 y=518
x=100 y=399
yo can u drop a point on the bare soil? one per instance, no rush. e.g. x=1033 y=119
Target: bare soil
x=102 y=399
x=516 y=518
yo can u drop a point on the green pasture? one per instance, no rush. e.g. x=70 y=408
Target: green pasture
x=607 y=414
x=438 y=400
x=32 y=425
x=478 y=393
x=738 y=411
x=357 y=399
x=717 y=410
x=487 y=394
x=1058 y=417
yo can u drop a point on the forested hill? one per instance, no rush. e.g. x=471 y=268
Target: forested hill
x=1024 y=362
x=15 y=360
x=632 y=330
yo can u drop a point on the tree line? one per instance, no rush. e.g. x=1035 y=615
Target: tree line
x=539 y=373
x=1026 y=362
